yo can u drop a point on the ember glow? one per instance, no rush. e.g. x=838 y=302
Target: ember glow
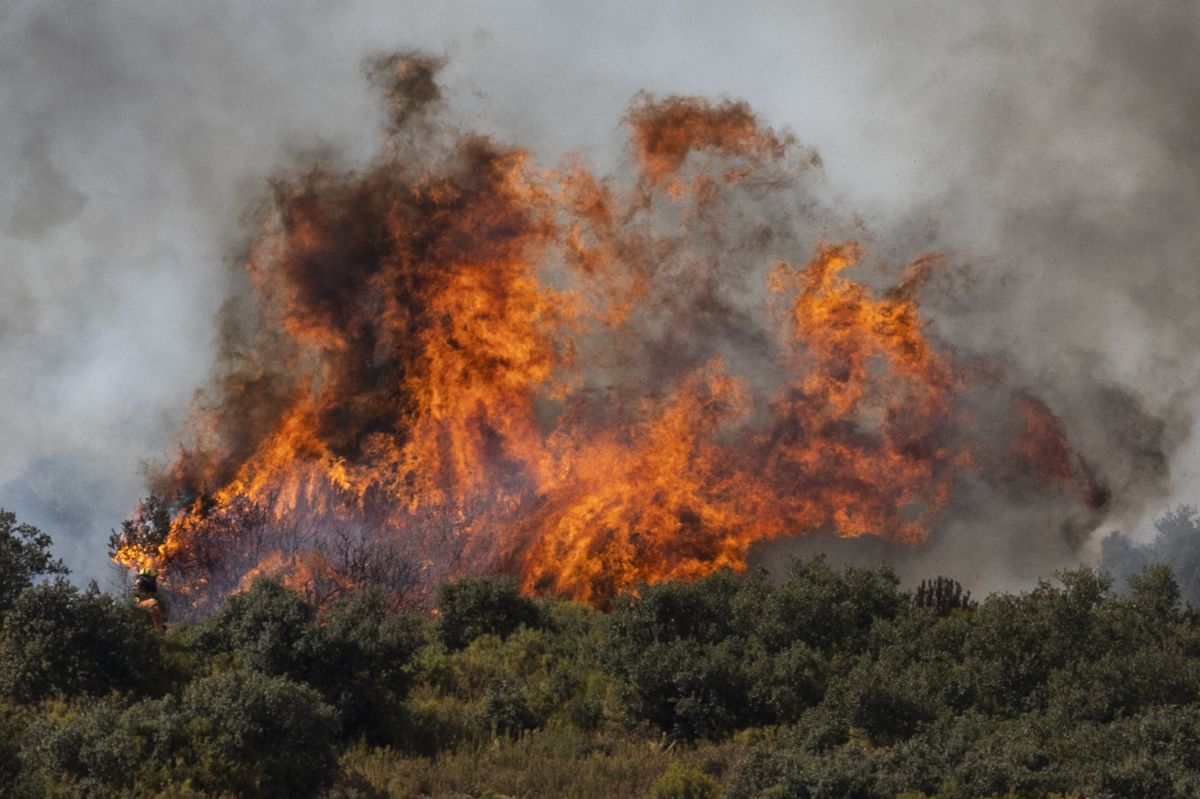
x=456 y=360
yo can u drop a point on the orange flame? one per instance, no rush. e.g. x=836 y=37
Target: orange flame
x=456 y=361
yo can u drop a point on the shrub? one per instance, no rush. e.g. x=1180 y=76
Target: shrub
x=360 y=658
x=724 y=652
x=471 y=607
x=240 y=733
x=251 y=734
x=83 y=752
x=60 y=641
x=681 y=782
x=267 y=627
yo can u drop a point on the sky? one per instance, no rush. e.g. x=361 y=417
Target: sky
x=1049 y=150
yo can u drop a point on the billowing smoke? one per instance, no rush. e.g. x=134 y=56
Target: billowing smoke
x=1065 y=173
x=460 y=358
x=1047 y=153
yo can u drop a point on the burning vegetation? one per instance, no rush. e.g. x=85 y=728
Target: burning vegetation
x=455 y=360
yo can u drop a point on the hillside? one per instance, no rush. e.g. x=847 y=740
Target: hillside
x=830 y=683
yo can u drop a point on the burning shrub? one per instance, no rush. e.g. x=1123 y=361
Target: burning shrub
x=453 y=360
x=142 y=534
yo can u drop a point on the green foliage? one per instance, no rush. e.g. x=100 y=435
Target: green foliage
x=267 y=627
x=360 y=659
x=60 y=641
x=471 y=607
x=681 y=782
x=357 y=653
x=557 y=762
x=15 y=719
x=702 y=659
x=829 y=683
x=503 y=687
x=1039 y=694
x=680 y=655
x=24 y=556
x=257 y=735
x=239 y=733
x=1155 y=594
x=828 y=610
x=506 y=711
x=438 y=722
x=81 y=752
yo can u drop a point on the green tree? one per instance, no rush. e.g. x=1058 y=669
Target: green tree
x=255 y=735
x=703 y=658
x=825 y=608
x=268 y=628
x=682 y=654
x=359 y=658
x=24 y=556
x=1154 y=594
x=240 y=733
x=474 y=606
x=85 y=752
x=61 y=641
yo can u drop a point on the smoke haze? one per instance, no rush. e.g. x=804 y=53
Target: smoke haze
x=1049 y=151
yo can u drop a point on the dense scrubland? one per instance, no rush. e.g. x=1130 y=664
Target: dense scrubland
x=830 y=683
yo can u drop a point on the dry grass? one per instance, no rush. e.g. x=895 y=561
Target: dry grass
x=559 y=763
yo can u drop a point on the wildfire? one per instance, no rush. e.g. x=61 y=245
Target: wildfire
x=455 y=360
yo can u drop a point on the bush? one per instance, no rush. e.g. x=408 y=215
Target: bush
x=267 y=627
x=240 y=733
x=471 y=607
x=828 y=610
x=705 y=658
x=15 y=720
x=251 y=734
x=83 y=752
x=554 y=762
x=360 y=658
x=60 y=641
x=438 y=723
x=829 y=684
x=681 y=782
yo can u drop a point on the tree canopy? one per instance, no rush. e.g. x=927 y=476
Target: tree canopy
x=24 y=557
x=830 y=682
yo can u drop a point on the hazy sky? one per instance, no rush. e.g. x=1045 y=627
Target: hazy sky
x=1052 y=149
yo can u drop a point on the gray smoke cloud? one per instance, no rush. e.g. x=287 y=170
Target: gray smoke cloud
x=1050 y=151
